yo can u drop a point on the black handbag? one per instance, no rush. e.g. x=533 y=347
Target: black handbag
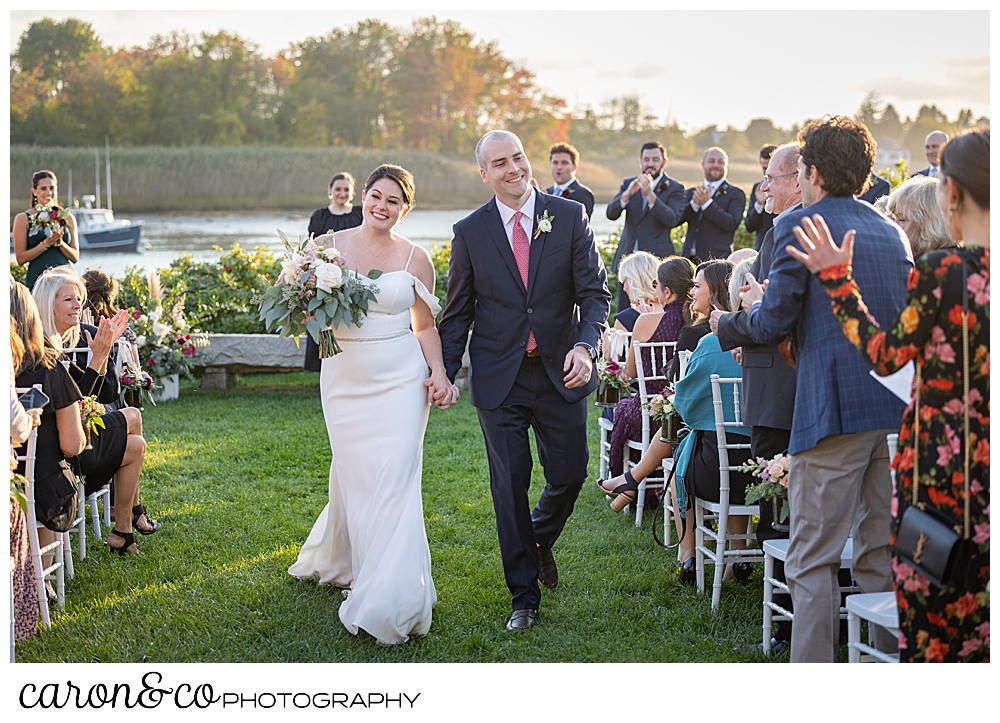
x=927 y=541
x=57 y=499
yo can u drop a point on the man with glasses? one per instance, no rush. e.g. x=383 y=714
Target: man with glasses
x=713 y=211
x=768 y=381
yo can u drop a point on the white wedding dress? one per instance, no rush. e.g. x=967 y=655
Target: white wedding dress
x=370 y=538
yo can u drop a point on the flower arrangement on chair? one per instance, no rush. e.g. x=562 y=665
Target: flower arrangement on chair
x=773 y=485
x=90 y=416
x=661 y=408
x=135 y=384
x=612 y=384
x=166 y=345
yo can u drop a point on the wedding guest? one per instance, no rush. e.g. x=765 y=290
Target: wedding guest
x=340 y=214
x=914 y=208
x=652 y=203
x=932 y=150
x=60 y=433
x=710 y=287
x=673 y=280
x=118 y=449
x=841 y=415
x=35 y=248
x=878 y=188
x=951 y=461
x=759 y=220
x=102 y=300
x=563 y=162
x=713 y=211
x=24 y=593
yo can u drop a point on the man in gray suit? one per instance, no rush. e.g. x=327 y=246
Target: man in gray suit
x=768 y=381
x=653 y=203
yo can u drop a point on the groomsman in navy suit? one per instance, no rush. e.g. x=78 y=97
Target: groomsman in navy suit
x=526 y=276
x=839 y=476
x=877 y=188
x=932 y=147
x=563 y=161
x=713 y=211
x=653 y=204
x=758 y=219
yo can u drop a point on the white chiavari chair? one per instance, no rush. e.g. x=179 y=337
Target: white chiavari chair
x=660 y=353
x=719 y=512
x=618 y=343
x=58 y=550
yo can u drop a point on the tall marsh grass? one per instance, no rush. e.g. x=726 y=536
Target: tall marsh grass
x=157 y=178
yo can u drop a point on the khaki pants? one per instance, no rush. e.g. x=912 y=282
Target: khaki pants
x=839 y=488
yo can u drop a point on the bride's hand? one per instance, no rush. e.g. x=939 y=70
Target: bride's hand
x=440 y=391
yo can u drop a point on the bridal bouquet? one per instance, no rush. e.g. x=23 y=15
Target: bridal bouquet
x=90 y=416
x=315 y=292
x=773 y=485
x=47 y=218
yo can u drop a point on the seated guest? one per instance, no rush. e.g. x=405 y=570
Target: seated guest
x=119 y=448
x=915 y=209
x=102 y=300
x=710 y=288
x=60 y=433
x=671 y=287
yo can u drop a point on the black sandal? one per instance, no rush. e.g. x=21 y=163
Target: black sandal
x=137 y=512
x=129 y=542
x=622 y=498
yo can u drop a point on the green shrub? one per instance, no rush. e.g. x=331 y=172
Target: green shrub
x=897 y=175
x=20 y=273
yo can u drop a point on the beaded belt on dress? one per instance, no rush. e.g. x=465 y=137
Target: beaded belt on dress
x=374 y=338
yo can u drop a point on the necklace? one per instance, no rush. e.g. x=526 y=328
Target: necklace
x=379 y=258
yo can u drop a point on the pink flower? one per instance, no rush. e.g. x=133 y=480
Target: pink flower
x=937 y=293
x=984 y=632
x=53 y=213
x=902 y=570
x=902 y=636
x=982 y=533
x=976 y=282
x=953 y=407
x=969 y=647
x=894 y=506
x=937 y=335
x=946 y=352
x=982 y=298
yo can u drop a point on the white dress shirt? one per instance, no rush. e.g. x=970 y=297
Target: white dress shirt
x=558 y=189
x=527 y=220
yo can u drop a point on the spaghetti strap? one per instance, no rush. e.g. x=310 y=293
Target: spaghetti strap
x=412 y=249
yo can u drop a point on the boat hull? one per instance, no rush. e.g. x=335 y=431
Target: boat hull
x=123 y=238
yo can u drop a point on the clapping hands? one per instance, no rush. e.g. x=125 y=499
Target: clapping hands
x=701 y=194
x=108 y=332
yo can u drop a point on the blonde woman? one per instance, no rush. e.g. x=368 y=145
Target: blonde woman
x=915 y=209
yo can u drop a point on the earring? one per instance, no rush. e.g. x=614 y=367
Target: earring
x=951 y=213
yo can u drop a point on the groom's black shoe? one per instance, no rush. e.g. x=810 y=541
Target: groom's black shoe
x=548 y=574
x=521 y=619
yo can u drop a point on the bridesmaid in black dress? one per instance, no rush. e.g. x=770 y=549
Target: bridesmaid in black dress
x=339 y=215
x=38 y=250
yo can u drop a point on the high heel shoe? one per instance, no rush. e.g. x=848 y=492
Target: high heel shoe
x=742 y=571
x=622 y=498
x=687 y=571
x=128 y=547
x=137 y=512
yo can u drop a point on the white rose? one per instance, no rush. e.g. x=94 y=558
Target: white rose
x=160 y=329
x=329 y=277
x=140 y=340
x=331 y=254
x=289 y=270
x=154 y=316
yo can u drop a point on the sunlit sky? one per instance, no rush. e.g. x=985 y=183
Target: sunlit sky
x=722 y=66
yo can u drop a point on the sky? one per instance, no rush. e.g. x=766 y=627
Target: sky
x=718 y=66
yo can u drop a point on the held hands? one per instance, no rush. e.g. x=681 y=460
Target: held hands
x=440 y=391
x=701 y=195
x=578 y=367
x=751 y=292
x=818 y=249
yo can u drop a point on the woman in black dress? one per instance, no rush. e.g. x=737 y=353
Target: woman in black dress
x=119 y=449
x=339 y=215
x=36 y=249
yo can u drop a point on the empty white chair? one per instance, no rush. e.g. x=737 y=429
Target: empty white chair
x=878 y=608
x=659 y=357
x=720 y=511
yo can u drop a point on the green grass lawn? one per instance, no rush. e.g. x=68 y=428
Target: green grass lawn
x=238 y=477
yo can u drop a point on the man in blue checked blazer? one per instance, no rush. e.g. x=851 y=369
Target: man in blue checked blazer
x=839 y=478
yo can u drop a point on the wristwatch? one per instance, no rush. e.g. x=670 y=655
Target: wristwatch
x=590 y=350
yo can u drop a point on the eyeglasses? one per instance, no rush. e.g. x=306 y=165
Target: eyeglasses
x=772 y=179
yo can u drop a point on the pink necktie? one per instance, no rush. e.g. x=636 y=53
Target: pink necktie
x=522 y=252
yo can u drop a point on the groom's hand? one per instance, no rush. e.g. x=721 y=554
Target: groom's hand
x=578 y=367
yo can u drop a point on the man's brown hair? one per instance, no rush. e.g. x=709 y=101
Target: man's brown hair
x=564 y=148
x=842 y=150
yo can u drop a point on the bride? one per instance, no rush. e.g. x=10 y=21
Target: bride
x=370 y=538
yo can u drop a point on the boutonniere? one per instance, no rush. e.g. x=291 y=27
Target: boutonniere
x=722 y=190
x=544 y=223
x=660 y=187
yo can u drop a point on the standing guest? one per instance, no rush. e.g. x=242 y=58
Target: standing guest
x=878 y=188
x=339 y=215
x=936 y=624
x=842 y=414
x=915 y=209
x=653 y=204
x=713 y=211
x=36 y=249
x=537 y=301
x=563 y=161
x=768 y=381
x=674 y=278
x=759 y=220
x=932 y=150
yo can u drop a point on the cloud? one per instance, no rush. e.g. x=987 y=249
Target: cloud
x=963 y=79
x=644 y=71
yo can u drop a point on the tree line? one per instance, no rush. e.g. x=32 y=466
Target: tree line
x=431 y=86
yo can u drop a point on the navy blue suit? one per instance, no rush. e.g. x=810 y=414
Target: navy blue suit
x=579 y=193
x=924 y=172
x=566 y=303
x=880 y=187
x=710 y=232
x=649 y=226
x=834 y=394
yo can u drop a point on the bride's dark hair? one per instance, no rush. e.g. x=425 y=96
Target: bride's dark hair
x=394 y=173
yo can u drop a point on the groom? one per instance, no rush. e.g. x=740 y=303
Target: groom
x=525 y=274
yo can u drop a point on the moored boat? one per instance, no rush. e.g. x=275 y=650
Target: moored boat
x=98 y=228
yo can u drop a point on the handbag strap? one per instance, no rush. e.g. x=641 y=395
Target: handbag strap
x=965 y=406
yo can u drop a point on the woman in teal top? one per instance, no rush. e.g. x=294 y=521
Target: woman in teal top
x=36 y=249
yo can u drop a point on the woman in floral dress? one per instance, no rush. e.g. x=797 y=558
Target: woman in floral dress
x=936 y=625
